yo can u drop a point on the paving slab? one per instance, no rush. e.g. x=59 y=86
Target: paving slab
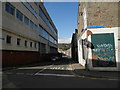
x=80 y=70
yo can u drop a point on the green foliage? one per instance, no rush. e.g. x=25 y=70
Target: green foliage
x=64 y=47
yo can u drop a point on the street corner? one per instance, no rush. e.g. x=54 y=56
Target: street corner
x=77 y=66
x=81 y=71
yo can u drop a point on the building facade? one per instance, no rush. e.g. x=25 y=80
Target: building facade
x=28 y=33
x=74 y=46
x=105 y=14
x=92 y=18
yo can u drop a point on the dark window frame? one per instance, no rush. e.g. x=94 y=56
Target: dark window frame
x=19 y=15
x=43 y=33
x=30 y=44
x=36 y=3
x=26 y=20
x=46 y=20
x=31 y=24
x=35 y=27
x=10 y=8
x=35 y=45
x=25 y=43
x=8 y=39
x=31 y=9
x=18 y=41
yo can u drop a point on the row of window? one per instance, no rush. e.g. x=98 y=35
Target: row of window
x=30 y=8
x=43 y=16
x=10 y=9
x=53 y=50
x=42 y=48
x=41 y=13
x=46 y=35
x=18 y=42
x=51 y=39
x=42 y=32
x=36 y=3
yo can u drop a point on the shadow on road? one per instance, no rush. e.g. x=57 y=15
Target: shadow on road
x=61 y=61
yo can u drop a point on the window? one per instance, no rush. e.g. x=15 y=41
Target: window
x=35 y=27
x=52 y=50
x=45 y=19
x=43 y=33
x=26 y=43
x=19 y=15
x=30 y=44
x=36 y=3
x=42 y=15
x=42 y=48
x=52 y=40
x=26 y=20
x=30 y=8
x=18 y=41
x=81 y=13
x=35 y=45
x=9 y=8
x=31 y=24
x=8 y=39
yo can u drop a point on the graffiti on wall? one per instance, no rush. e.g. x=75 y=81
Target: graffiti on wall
x=103 y=53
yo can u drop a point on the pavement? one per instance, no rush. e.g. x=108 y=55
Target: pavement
x=79 y=70
x=28 y=65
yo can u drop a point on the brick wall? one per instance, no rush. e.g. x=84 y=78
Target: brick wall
x=15 y=58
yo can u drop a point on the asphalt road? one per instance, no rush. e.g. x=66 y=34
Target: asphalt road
x=57 y=74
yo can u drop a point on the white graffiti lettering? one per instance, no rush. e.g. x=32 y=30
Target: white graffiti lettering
x=104 y=46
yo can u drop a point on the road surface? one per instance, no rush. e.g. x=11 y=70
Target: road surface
x=57 y=74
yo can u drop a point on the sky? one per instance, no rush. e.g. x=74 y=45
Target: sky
x=64 y=16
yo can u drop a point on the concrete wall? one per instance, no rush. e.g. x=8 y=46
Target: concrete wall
x=119 y=54
x=0 y=40
x=10 y=22
x=17 y=29
x=0 y=14
x=14 y=46
x=0 y=25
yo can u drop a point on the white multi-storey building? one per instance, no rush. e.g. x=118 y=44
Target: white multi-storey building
x=28 y=33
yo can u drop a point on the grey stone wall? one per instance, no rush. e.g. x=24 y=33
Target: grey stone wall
x=99 y=13
x=103 y=13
